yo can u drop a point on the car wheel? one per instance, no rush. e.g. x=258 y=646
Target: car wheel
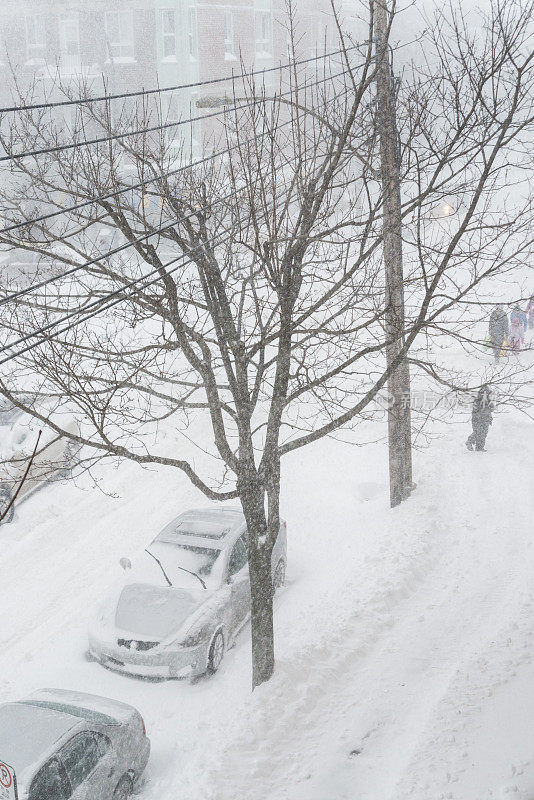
x=5 y=500
x=123 y=789
x=216 y=653
x=279 y=575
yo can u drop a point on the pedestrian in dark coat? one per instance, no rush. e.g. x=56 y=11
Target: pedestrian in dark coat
x=498 y=330
x=481 y=418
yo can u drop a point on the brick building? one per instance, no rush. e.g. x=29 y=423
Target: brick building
x=129 y=45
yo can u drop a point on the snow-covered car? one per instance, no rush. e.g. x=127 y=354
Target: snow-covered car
x=57 y=744
x=53 y=460
x=182 y=605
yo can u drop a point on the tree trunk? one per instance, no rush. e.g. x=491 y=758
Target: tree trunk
x=261 y=587
x=261 y=596
x=399 y=416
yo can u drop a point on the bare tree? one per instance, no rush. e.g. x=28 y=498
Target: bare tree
x=9 y=501
x=251 y=292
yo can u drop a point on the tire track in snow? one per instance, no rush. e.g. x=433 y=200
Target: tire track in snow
x=292 y=701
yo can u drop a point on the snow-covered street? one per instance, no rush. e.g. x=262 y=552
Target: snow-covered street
x=266 y=364
x=403 y=637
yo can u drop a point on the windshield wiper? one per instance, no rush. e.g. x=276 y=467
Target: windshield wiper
x=160 y=566
x=182 y=568
x=193 y=573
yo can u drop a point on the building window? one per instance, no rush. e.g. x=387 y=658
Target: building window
x=120 y=37
x=263 y=33
x=35 y=38
x=168 y=28
x=192 y=32
x=229 y=45
x=69 y=43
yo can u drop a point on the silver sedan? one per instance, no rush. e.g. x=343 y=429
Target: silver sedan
x=186 y=599
x=56 y=745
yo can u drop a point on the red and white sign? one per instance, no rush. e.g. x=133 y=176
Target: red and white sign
x=8 y=782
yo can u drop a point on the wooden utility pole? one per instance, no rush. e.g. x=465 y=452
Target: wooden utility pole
x=399 y=416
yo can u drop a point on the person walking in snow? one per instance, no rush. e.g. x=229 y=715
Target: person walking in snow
x=481 y=419
x=498 y=330
x=520 y=316
x=516 y=335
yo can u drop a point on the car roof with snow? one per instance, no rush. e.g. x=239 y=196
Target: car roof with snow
x=91 y=707
x=204 y=526
x=28 y=733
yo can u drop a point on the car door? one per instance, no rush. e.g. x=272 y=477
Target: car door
x=239 y=580
x=89 y=764
x=50 y=783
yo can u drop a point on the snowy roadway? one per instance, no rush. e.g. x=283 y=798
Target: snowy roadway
x=404 y=638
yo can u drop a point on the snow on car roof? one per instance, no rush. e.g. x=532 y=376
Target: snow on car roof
x=88 y=714
x=202 y=523
x=28 y=732
x=88 y=706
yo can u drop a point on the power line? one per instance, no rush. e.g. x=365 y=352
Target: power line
x=131 y=188
x=106 y=255
x=67 y=273
x=151 y=129
x=98 y=305
x=117 y=136
x=148 y=181
x=123 y=247
x=147 y=92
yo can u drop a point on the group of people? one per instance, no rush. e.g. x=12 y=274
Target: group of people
x=503 y=335
x=509 y=336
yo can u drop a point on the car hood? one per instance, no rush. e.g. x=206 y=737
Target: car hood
x=154 y=612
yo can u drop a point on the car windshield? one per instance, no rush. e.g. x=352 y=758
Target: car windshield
x=197 y=559
x=175 y=558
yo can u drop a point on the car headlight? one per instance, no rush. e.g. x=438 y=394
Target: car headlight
x=195 y=638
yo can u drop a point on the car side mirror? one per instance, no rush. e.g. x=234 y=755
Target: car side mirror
x=125 y=563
